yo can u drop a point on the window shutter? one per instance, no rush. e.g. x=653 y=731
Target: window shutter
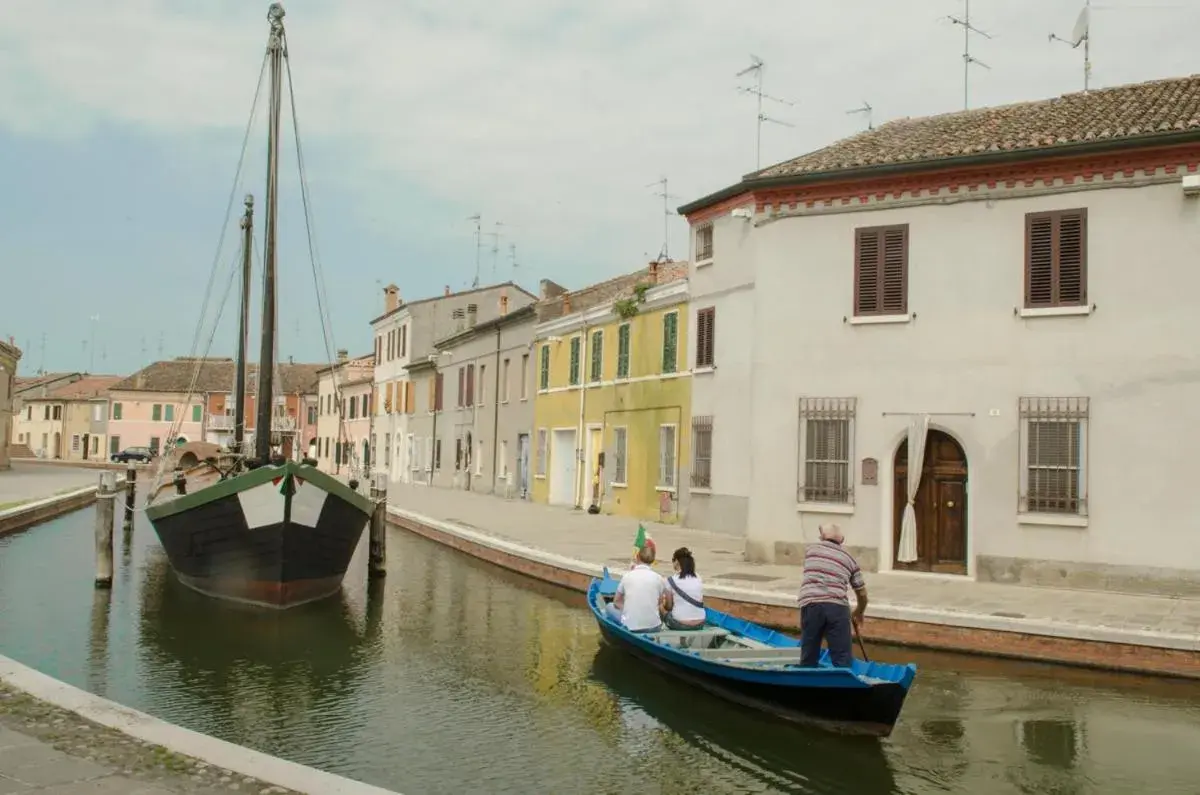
x=470 y=385
x=438 y=389
x=893 y=274
x=412 y=398
x=1072 y=287
x=462 y=385
x=705 y=336
x=1039 y=267
x=866 y=272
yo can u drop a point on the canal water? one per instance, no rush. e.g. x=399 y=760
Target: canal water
x=452 y=676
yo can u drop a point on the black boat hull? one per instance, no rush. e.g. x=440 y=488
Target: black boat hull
x=871 y=711
x=275 y=541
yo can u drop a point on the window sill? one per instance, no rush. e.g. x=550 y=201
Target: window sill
x=667 y=489
x=539 y=477
x=708 y=370
x=824 y=507
x=700 y=490
x=878 y=320
x=1057 y=311
x=704 y=263
x=618 y=485
x=1052 y=519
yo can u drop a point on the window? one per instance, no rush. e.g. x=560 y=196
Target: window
x=706 y=329
x=197 y=412
x=666 y=456
x=437 y=454
x=75 y=443
x=410 y=397
x=156 y=412
x=1056 y=259
x=154 y=445
x=458 y=454
x=623 y=351
x=97 y=412
x=1054 y=437
x=576 y=343
x=881 y=270
x=670 y=347
x=462 y=385
x=541 y=453
x=597 y=365
x=95 y=445
x=620 y=453
x=438 y=384
x=46 y=412
x=524 y=376
x=169 y=412
x=482 y=385
x=704 y=246
x=702 y=428
x=403 y=340
x=479 y=457
x=312 y=415
x=378 y=349
x=504 y=372
x=544 y=368
x=58 y=412
x=470 y=385
x=114 y=445
x=826 y=450
x=117 y=411
x=353 y=409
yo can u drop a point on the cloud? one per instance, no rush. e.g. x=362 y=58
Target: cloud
x=552 y=116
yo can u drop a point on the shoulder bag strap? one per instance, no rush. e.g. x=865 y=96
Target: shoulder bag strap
x=675 y=587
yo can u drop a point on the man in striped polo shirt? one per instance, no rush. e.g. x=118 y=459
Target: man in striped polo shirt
x=829 y=572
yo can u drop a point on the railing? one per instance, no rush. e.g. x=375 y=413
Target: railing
x=220 y=422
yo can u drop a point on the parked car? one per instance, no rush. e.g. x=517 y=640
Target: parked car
x=142 y=454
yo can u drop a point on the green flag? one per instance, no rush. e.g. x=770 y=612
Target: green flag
x=640 y=541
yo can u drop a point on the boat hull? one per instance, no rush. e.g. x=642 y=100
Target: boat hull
x=275 y=536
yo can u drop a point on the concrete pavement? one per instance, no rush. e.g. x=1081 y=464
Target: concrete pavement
x=26 y=482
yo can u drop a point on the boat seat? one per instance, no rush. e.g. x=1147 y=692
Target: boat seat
x=772 y=653
x=690 y=638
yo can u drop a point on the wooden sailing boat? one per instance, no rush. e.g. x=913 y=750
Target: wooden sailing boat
x=249 y=525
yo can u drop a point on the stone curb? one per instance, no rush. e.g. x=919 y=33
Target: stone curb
x=35 y=512
x=1055 y=629
x=218 y=753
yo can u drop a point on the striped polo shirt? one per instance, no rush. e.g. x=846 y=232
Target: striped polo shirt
x=829 y=572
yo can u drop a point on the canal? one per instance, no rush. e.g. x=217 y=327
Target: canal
x=452 y=676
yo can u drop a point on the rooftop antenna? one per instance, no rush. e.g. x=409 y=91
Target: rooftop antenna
x=756 y=67
x=512 y=253
x=1081 y=34
x=160 y=345
x=866 y=108
x=664 y=255
x=495 y=236
x=42 y=365
x=478 y=219
x=92 y=344
x=968 y=59
x=143 y=347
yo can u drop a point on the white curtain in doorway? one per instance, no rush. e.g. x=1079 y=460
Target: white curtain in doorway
x=918 y=431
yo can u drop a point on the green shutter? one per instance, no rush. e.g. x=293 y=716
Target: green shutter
x=574 y=379
x=156 y=412
x=170 y=412
x=544 y=375
x=623 y=351
x=597 y=356
x=196 y=414
x=670 y=351
x=116 y=411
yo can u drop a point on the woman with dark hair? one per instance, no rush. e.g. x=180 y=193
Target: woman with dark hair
x=683 y=600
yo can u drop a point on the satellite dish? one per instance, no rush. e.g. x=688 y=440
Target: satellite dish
x=1080 y=31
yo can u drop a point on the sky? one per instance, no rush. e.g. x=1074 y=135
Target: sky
x=121 y=123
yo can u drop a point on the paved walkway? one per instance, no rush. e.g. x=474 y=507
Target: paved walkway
x=608 y=540
x=26 y=482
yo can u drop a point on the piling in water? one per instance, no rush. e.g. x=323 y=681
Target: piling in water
x=130 y=492
x=377 y=565
x=106 y=498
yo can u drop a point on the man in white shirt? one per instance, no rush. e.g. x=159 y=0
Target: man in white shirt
x=638 y=595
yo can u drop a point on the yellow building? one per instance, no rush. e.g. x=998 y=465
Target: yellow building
x=613 y=403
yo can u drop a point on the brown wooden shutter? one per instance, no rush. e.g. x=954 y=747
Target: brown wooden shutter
x=437 y=392
x=1056 y=259
x=462 y=384
x=893 y=271
x=1039 y=260
x=412 y=397
x=1072 y=258
x=705 y=336
x=881 y=270
x=866 y=272
x=470 y=385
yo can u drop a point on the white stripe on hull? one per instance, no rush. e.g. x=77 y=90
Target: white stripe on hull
x=263 y=505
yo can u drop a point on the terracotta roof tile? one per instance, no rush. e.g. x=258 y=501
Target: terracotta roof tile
x=608 y=291
x=1129 y=112
x=87 y=388
x=216 y=375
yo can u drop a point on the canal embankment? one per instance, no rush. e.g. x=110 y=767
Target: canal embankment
x=31 y=494
x=53 y=735
x=1096 y=629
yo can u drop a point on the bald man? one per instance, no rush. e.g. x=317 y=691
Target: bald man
x=829 y=574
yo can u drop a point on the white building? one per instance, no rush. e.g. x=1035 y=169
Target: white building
x=406 y=333
x=344 y=414
x=1017 y=280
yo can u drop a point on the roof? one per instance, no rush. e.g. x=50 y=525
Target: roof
x=216 y=375
x=526 y=312
x=89 y=387
x=366 y=360
x=459 y=294
x=611 y=290
x=1127 y=115
x=26 y=383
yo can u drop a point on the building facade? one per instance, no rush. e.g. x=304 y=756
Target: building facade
x=25 y=436
x=344 y=414
x=477 y=434
x=978 y=365
x=613 y=408
x=405 y=333
x=10 y=355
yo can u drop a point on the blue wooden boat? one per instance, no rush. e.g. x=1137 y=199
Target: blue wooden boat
x=759 y=668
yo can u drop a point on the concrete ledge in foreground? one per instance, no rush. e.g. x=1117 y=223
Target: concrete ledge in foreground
x=1157 y=653
x=218 y=753
x=34 y=512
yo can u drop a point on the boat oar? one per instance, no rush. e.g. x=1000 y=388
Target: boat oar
x=858 y=634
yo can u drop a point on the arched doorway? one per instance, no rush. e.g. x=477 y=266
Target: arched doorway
x=941 y=506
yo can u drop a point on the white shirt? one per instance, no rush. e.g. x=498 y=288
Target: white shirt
x=642 y=587
x=681 y=610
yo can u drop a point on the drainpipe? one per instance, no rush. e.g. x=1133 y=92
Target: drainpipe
x=581 y=476
x=496 y=415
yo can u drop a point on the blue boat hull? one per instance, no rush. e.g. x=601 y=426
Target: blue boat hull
x=866 y=699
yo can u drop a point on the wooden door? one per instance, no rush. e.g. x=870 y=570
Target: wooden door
x=941 y=506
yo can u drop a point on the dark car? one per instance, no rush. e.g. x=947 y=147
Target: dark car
x=142 y=454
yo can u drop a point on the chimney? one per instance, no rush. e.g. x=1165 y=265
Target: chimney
x=343 y=354
x=472 y=314
x=654 y=272
x=391 y=298
x=566 y=304
x=503 y=304
x=447 y=292
x=459 y=318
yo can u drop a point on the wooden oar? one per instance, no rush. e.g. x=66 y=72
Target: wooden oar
x=858 y=634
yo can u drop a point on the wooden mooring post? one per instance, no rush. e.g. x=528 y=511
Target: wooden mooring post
x=377 y=562
x=130 y=493
x=106 y=498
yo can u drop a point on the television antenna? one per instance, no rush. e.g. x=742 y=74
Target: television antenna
x=865 y=108
x=478 y=219
x=968 y=59
x=495 y=236
x=1081 y=34
x=756 y=68
x=664 y=255
x=512 y=253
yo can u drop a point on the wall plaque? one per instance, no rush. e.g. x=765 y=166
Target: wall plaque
x=870 y=472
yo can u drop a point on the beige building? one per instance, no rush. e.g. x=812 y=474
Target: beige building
x=70 y=421
x=344 y=413
x=21 y=437
x=9 y=356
